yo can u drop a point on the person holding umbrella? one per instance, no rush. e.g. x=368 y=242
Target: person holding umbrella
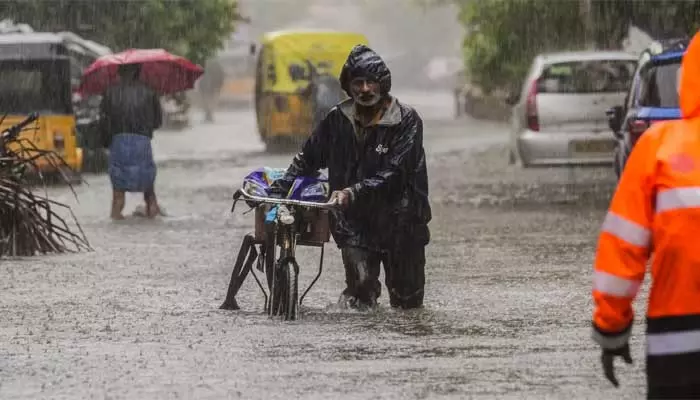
x=131 y=83
x=131 y=111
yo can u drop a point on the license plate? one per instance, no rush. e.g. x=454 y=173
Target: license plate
x=593 y=146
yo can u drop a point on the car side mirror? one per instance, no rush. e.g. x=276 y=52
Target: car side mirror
x=512 y=99
x=252 y=49
x=614 y=115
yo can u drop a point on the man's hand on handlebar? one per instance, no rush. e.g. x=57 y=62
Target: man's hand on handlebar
x=341 y=198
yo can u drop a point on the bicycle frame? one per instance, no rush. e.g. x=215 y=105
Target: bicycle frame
x=282 y=229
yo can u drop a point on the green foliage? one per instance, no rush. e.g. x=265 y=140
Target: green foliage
x=504 y=35
x=193 y=28
x=664 y=18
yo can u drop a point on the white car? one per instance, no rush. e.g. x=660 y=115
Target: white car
x=559 y=118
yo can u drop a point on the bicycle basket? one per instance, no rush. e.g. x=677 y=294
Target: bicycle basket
x=305 y=188
x=315 y=225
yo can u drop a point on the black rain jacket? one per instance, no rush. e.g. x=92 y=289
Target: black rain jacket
x=130 y=107
x=383 y=166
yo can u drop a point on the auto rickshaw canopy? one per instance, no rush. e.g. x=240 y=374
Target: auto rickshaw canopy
x=36 y=74
x=32 y=46
x=289 y=56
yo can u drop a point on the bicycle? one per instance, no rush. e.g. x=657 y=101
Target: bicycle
x=283 y=224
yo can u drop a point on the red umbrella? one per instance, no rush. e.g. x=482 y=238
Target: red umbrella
x=163 y=72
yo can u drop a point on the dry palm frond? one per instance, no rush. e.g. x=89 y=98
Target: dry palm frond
x=30 y=224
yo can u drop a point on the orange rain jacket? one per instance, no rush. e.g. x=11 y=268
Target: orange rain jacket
x=657 y=207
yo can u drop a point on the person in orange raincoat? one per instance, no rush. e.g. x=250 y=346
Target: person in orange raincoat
x=656 y=207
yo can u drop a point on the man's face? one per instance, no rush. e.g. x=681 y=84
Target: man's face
x=365 y=91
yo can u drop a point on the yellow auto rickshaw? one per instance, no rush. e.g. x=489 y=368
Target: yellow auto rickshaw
x=35 y=76
x=291 y=66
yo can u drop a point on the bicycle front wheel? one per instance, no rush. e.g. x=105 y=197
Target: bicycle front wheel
x=290 y=299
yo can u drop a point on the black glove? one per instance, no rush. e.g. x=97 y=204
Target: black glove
x=608 y=358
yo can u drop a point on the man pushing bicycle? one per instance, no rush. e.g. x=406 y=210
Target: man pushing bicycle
x=372 y=146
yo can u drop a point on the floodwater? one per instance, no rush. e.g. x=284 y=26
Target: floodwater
x=507 y=308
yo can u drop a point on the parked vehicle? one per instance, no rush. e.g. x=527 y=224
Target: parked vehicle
x=35 y=75
x=81 y=52
x=559 y=116
x=652 y=97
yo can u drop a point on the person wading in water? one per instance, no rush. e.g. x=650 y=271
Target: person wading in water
x=131 y=111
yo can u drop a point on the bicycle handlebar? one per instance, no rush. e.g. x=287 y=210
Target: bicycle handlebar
x=288 y=202
x=13 y=131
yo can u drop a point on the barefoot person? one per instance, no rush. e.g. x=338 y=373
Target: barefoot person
x=130 y=113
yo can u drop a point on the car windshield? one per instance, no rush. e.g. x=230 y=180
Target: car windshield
x=594 y=76
x=658 y=86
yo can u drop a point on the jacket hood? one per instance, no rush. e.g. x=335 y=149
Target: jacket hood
x=365 y=62
x=689 y=88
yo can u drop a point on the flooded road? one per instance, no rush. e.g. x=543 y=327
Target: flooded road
x=507 y=308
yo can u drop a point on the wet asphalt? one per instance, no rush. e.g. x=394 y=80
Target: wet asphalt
x=507 y=308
